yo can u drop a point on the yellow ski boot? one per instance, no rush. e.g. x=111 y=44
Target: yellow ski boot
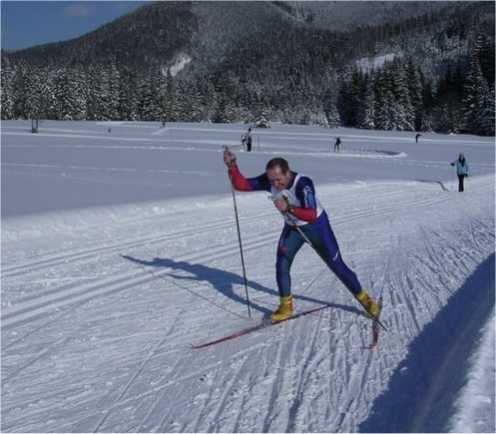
x=285 y=309
x=372 y=308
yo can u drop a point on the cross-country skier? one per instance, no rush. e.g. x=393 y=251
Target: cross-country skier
x=246 y=140
x=461 y=170
x=294 y=196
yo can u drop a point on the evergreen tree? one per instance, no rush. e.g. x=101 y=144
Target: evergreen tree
x=415 y=92
x=367 y=120
x=70 y=94
x=404 y=116
x=474 y=89
x=114 y=93
x=35 y=88
x=382 y=94
x=148 y=105
x=128 y=94
x=78 y=93
x=93 y=90
x=486 y=112
x=19 y=92
x=484 y=51
x=7 y=94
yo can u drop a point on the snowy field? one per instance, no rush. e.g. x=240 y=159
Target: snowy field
x=119 y=251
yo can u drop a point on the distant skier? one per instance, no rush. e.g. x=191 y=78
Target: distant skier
x=461 y=170
x=246 y=140
x=294 y=196
x=337 y=144
x=417 y=136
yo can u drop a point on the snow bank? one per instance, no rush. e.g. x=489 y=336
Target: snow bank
x=474 y=409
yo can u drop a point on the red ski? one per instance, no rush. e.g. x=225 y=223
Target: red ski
x=257 y=327
x=376 y=325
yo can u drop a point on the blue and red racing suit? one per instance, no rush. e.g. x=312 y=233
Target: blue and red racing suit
x=310 y=216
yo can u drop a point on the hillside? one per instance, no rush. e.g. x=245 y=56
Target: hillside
x=233 y=61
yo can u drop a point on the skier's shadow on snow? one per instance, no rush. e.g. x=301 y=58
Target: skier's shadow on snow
x=224 y=282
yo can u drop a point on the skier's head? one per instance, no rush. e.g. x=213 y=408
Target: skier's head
x=278 y=172
x=461 y=157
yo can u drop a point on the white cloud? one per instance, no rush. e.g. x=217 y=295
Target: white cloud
x=77 y=10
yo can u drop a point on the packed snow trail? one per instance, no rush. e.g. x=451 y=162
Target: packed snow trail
x=96 y=332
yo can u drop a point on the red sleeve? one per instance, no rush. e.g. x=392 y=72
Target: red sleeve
x=238 y=180
x=306 y=214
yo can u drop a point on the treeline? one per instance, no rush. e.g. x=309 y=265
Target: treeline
x=399 y=97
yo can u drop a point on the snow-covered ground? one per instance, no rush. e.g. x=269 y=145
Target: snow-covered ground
x=119 y=251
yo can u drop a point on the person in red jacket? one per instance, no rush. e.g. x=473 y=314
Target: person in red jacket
x=294 y=196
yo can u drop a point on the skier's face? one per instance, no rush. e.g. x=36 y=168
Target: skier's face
x=279 y=179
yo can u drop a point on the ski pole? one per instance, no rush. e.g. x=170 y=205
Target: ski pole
x=239 y=241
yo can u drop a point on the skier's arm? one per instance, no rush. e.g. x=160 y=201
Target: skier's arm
x=239 y=182
x=306 y=193
x=306 y=214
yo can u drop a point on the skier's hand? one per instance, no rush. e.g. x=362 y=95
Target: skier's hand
x=229 y=158
x=281 y=204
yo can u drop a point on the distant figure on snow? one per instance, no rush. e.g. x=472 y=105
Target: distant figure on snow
x=294 y=196
x=246 y=140
x=417 y=136
x=461 y=170
x=337 y=144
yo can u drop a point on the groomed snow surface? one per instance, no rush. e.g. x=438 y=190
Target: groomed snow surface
x=120 y=251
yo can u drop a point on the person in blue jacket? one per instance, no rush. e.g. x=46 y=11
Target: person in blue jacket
x=461 y=170
x=294 y=196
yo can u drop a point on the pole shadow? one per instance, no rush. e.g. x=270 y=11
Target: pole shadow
x=426 y=181
x=225 y=281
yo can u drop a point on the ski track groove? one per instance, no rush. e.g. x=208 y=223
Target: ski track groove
x=269 y=416
x=227 y=392
x=67 y=257
x=162 y=388
x=201 y=412
x=40 y=355
x=133 y=377
x=153 y=406
x=479 y=235
x=308 y=356
x=63 y=296
x=94 y=287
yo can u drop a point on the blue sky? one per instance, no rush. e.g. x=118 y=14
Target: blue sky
x=28 y=23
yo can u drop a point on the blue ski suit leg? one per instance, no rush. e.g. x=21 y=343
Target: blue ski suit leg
x=323 y=240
